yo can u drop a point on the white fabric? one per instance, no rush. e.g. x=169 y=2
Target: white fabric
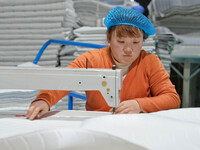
x=32 y=26
x=47 y=19
x=186 y=50
x=66 y=139
x=28 y=52
x=33 y=14
x=171 y=129
x=13 y=127
x=51 y=63
x=26 y=25
x=22 y=42
x=181 y=16
x=90 y=30
x=34 y=7
x=13 y=90
x=83 y=39
x=27 y=47
x=91 y=13
x=68 y=50
x=26 y=58
x=31 y=36
x=32 y=31
x=72 y=119
x=61 y=131
x=167 y=7
x=25 y=2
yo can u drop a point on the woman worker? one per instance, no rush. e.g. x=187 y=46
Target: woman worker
x=146 y=84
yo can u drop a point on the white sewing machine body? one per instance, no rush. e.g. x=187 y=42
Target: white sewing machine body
x=107 y=81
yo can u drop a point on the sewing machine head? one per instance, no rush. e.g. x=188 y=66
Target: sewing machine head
x=107 y=81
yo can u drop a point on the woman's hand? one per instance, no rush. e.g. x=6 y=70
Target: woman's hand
x=37 y=109
x=128 y=107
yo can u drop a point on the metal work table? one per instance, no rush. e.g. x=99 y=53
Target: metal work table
x=188 y=55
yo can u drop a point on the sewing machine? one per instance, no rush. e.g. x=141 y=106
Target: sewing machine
x=107 y=81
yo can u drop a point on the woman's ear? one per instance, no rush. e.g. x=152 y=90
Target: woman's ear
x=108 y=36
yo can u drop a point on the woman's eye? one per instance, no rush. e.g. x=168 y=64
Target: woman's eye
x=135 y=42
x=121 y=41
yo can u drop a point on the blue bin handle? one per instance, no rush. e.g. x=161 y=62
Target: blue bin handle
x=65 y=42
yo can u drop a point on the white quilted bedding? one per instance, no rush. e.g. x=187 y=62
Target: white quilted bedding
x=79 y=130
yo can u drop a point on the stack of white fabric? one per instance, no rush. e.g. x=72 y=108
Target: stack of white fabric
x=70 y=21
x=25 y=25
x=165 y=42
x=149 y=44
x=91 y=12
x=15 y=101
x=180 y=16
x=66 y=55
x=192 y=38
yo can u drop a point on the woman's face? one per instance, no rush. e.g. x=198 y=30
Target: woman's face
x=125 y=49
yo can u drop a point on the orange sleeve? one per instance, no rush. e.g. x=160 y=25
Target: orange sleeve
x=51 y=96
x=163 y=93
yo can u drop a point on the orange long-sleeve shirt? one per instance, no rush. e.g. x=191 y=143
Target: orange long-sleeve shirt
x=147 y=82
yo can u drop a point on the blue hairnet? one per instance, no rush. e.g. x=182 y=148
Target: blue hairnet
x=128 y=16
x=139 y=8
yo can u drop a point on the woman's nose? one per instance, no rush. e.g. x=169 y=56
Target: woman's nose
x=128 y=49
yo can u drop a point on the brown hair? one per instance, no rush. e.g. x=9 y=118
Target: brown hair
x=124 y=31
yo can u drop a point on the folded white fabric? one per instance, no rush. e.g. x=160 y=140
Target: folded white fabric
x=185 y=50
x=67 y=139
x=51 y=63
x=90 y=30
x=34 y=7
x=31 y=36
x=32 y=31
x=37 y=19
x=28 y=53
x=26 y=58
x=58 y=132
x=178 y=15
x=90 y=12
x=32 y=13
x=171 y=129
x=22 y=42
x=80 y=130
x=27 y=25
x=25 y=2
x=67 y=50
x=169 y=7
x=31 y=26
x=28 y=47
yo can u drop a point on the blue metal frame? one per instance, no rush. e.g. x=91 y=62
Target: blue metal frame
x=71 y=95
x=65 y=42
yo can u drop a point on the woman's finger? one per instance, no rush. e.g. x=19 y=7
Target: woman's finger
x=120 y=108
x=34 y=114
x=41 y=113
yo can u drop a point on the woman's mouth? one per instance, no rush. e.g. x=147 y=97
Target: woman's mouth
x=127 y=56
